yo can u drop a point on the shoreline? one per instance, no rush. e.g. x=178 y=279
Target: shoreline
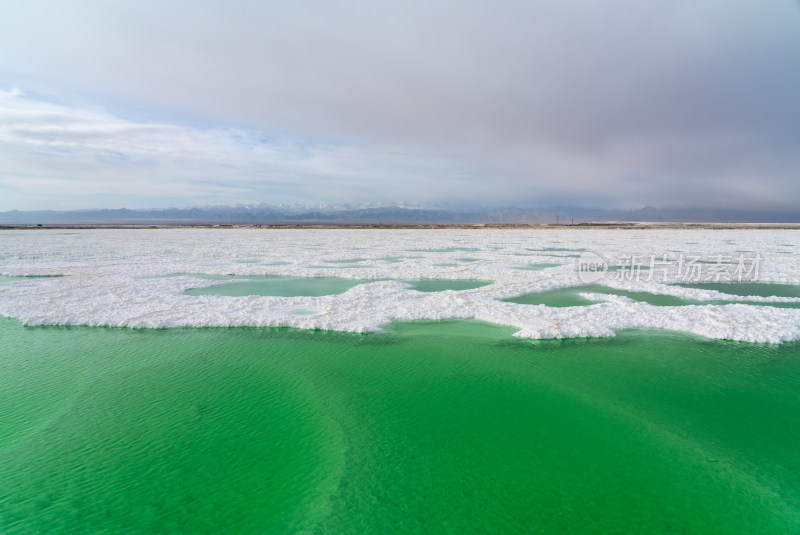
x=432 y=226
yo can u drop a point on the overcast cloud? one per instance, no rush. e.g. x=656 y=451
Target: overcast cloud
x=620 y=103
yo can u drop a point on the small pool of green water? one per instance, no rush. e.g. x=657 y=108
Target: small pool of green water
x=536 y=267
x=279 y=286
x=569 y=296
x=240 y=286
x=748 y=288
x=441 y=285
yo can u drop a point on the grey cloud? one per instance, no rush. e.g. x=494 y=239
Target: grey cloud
x=48 y=149
x=639 y=102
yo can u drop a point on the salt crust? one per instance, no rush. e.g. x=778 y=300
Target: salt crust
x=111 y=278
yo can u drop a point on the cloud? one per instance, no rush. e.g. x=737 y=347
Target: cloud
x=50 y=151
x=626 y=102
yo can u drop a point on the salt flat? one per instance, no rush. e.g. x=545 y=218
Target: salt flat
x=137 y=278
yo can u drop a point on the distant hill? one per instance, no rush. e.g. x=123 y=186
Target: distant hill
x=387 y=215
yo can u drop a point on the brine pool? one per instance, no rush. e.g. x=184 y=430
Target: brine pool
x=423 y=393
x=433 y=427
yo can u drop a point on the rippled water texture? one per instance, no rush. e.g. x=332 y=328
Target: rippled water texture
x=440 y=427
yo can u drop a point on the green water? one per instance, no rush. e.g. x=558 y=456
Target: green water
x=440 y=427
x=9 y=278
x=205 y=276
x=441 y=285
x=279 y=286
x=537 y=267
x=561 y=255
x=447 y=250
x=12 y=278
x=569 y=297
x=306 y=286
x=557 y=297
x=762 y=289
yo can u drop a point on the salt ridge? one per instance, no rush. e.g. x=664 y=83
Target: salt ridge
x=110 y=278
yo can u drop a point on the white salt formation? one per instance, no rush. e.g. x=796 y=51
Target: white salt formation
x=136 y=278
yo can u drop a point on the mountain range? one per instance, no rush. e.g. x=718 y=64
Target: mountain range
x=273 y=214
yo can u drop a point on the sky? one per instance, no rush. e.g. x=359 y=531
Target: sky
x=619 y=104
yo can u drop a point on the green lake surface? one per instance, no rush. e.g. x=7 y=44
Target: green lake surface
x=433 y=427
